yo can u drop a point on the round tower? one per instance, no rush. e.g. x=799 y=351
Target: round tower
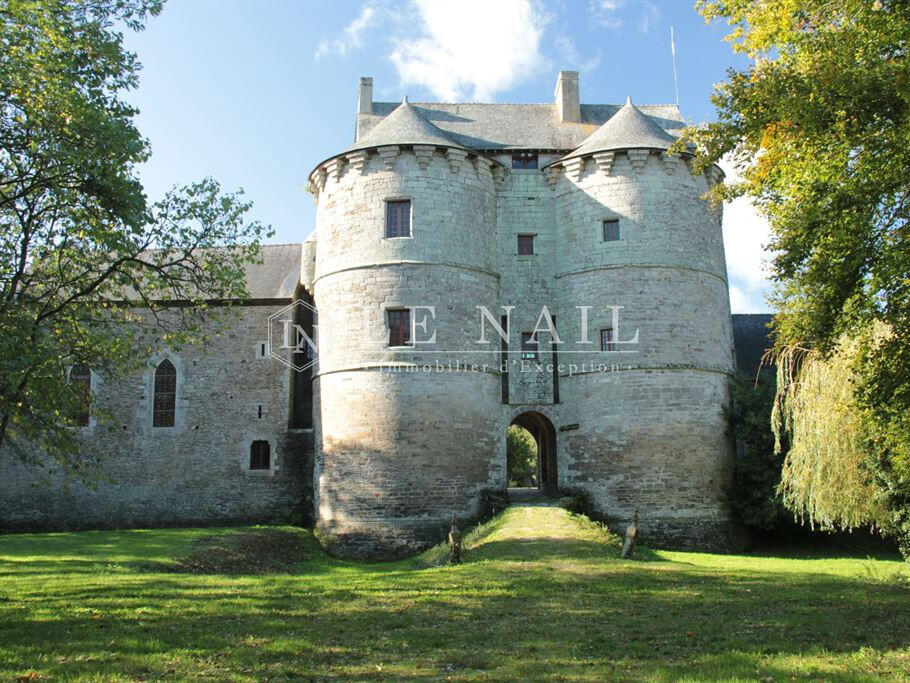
x=643 y=254
x=407 y=432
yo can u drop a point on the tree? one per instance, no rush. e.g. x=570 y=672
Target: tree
x=521 y=457
x=753 y=496
x=77 y=235
x=819 y=126
x=825 y=478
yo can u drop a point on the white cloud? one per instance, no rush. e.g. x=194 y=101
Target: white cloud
x=649 y=17
x=352 y=36
x=739 y=302
x=643 y=14
x=605 y=12
x=571 y=58
x=746 y=234
x=456 y=56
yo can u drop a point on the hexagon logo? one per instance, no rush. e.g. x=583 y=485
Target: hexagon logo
x=292 y=336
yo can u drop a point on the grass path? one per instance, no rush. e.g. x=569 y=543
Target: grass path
x=542 y=596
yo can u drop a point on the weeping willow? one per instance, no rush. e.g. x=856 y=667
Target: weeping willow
x=823 y=481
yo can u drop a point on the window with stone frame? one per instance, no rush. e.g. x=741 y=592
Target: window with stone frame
x=399 y=320
x=81 y=382
x=524 y=160
x=606 y=339
x=398 y=218
x=529 y=346
x=164 y=403
x=260 y=455
x=611 y=230
x=526 y=245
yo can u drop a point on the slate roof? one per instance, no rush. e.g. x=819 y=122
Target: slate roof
x=751 y=338
x=628 y=128
x=516 y=126
x=277 y=276
x=404 y=126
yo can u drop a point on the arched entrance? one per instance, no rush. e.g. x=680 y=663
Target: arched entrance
x=544 y=434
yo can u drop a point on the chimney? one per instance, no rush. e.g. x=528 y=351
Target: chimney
x=365 y=95
x=568 y=107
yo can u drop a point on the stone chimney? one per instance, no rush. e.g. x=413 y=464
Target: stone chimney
x=365 y=95
x=568 y=106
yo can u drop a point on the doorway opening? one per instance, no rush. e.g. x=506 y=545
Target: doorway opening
x=531 y=453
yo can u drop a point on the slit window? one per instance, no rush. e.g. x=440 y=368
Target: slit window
x=165 y=394
x=81 y=382
x=528 y=346
x=611 y=230
x=398 y=218
x=606 y=339
x=524 y=160
x=260 y=455
x=399 y=326
x=526 y=245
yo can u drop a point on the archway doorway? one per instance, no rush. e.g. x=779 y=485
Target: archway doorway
x=543 y=434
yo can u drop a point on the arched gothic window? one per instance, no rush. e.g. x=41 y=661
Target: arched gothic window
x=81 y=381
x=165 y=396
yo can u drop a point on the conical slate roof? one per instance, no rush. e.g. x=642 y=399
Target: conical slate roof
x=404 y=126
x=628 y=128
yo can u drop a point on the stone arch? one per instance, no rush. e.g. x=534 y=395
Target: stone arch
x=544 y=433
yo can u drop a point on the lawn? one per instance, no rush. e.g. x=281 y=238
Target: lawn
x=542 y=595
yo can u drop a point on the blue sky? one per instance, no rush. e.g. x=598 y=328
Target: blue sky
x=255 y=93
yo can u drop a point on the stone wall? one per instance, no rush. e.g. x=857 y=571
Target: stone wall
x=525 y=207
x=196 y=472
x=407 y=435
x=651 y=432
x=400 y=449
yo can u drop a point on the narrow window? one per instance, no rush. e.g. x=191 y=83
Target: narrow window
x=165 y=394
x=398 y=218
x=606 y=339
x=528 y=346
x=524 y=160
x=399 y=326
x=526 y=245
x=81 y=381
x=611 y=230
x=260 y=455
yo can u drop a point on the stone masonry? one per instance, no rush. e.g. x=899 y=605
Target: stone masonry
x=378 y=445
x=406 y=436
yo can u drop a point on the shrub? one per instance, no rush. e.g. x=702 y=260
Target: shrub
x=753 y=494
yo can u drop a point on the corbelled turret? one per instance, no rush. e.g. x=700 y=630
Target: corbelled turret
x=404 y=126
x=628 y=128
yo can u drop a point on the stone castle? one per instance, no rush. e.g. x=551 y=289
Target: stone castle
x=473 y=266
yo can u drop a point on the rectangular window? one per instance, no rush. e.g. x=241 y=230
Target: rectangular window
x=528 y=346
x=260 y=455
x=524 y=160
x=398 y=218
x=611 y=230
x=81 y=380
x=399 y=326
x=606 y=339
x=526 y=245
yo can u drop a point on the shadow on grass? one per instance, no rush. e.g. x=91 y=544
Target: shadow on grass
x=571 y=610
x=534 y=624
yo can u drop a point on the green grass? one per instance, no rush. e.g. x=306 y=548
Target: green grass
x=542 y=595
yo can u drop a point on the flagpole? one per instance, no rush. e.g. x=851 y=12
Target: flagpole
x=675 y=74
